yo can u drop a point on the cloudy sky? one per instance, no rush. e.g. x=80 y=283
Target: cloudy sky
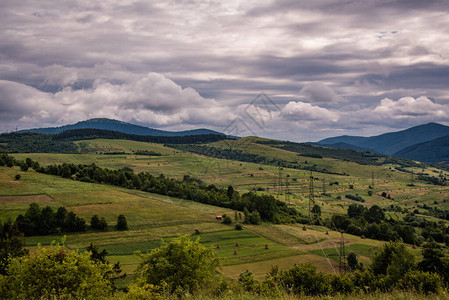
x=298 y=70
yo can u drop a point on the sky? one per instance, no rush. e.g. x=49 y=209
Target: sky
x=294 y=70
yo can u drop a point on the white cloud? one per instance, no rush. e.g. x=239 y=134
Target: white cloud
x=153 y=100
x=300 y=111
x=409 y=107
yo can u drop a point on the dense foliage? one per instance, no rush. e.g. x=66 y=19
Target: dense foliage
x=37 y=221
x=54 y=273
x=26 y=142
x=182 y=265
x=11 y=244
x=35 y=142
x=84 y=134
x=393 y=267
x=373 y=223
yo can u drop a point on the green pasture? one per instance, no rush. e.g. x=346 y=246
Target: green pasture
x=152 y=217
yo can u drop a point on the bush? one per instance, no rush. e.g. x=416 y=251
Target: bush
x=17 y=177
x=184 y=265
x=227 y=220
x=53 y=273
x=238 y=226
x=421 y=282
x=98 y=224
x=122 y=224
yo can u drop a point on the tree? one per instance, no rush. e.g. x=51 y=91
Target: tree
x=11 y=244
x=227 y=219
x=182 y=264
x=230 y=192
x=353 y=262
x=394 y=260
x=254 y=218
x=432 y=258
x=375 y=214
x=316 y=212
x=72 y=223
x=53 y=272
x=100 y=257
x=23 y=167
x=98 y=224
x=356 y=210
x=122 y=224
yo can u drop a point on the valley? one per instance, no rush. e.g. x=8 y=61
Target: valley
x=153 y=216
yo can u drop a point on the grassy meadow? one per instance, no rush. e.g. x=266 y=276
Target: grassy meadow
x=152 y=217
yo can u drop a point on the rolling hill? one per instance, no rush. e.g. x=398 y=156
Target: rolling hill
x=115 y=125
x=390 y=143
x=432 y=151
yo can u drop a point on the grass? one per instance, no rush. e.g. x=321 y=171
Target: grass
x=152 y=217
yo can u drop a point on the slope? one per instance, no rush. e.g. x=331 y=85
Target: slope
x=432 y=151
x=393 y=142
x=115 y=125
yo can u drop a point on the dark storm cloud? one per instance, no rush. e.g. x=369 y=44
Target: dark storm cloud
x=189 y=63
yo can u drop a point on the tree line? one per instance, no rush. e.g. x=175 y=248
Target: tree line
x=44 y=221
x=372 y=223
x=27 y=142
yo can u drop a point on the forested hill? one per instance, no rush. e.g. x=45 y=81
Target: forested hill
x=115 y=125
x=393 y=142
x=433 y=151
x=63 y=142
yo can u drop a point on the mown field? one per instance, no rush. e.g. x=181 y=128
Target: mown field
x=289 y=185
x=152 y=217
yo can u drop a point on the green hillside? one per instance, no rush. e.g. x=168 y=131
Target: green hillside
x=283 y=172
x=434 y=151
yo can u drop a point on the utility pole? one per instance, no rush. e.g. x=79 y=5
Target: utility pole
x=372 y=179
x=280 y=191
x=342 y=265
x=311 y=196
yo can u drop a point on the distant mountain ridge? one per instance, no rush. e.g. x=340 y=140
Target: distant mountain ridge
x=119 y=126
x=432 y=151
x=393 y=142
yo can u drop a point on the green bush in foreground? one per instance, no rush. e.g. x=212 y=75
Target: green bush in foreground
x=55 y=273
x=181 y=265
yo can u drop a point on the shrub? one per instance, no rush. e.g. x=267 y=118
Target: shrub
x=421 y=282
x=53 y=273
x=183 y=264
x=238 y=226
x=122 y=224
x=17 y=177
x=227 y=220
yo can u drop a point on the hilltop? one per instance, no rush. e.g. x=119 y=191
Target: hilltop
x=392 y=142
x=119 y=126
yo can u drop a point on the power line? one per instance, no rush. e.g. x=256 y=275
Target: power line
x=343 y=264
x=311 y=196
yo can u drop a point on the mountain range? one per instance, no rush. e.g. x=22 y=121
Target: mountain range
x=115 y=125
x=426 y=143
